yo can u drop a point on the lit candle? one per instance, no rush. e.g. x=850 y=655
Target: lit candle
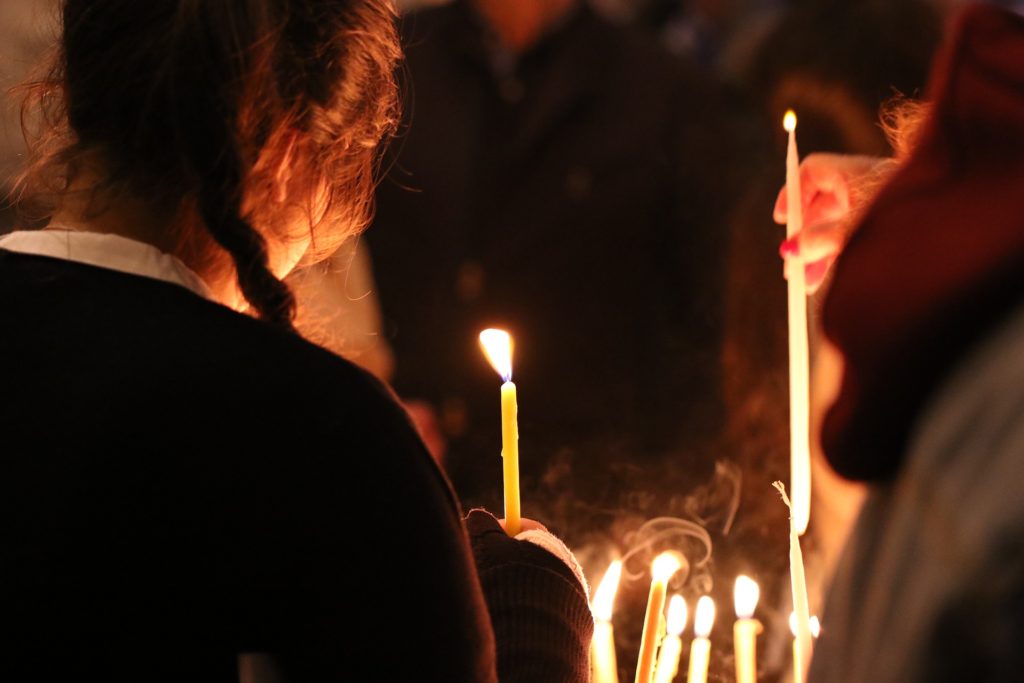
x=497 y=345
x=799 y=363
x=672 y=646
x=602 y=648
x=799 y=666
x=700 y=649
x=803 y=646
x=745 y=630
x=662 y=569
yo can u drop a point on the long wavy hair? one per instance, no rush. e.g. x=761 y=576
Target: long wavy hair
x=194 y=106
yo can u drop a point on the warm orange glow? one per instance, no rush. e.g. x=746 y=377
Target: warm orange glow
x=745 y=596
x=604 y=596
x=665 y=565
x=789 y=121
x=497 y=346
x=676 y=615
x=705 y=618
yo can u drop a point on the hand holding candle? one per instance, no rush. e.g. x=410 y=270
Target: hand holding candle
x=662 y=569
x=602 y=649
x=799 y=362
x=746 y=629
x=497 y=345
x=700 y=649
x=672 y=646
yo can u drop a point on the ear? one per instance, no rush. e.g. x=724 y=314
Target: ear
x=284 y=171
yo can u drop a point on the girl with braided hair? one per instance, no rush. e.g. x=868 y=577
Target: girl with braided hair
x=189 y=482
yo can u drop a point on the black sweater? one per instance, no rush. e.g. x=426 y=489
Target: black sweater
x=182 y=483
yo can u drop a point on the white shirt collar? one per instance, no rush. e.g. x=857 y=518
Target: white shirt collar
x=112 y=252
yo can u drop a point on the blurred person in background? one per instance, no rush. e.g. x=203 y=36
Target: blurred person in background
x=925 y=306
x=562 y=178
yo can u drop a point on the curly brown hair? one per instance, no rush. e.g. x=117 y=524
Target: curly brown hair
x=194 y=106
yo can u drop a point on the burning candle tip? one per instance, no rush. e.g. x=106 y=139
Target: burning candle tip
x=705 y=618
x=789 y=121
x=604 y=596
x=665 y=565
x=676 y=615
x=497 y=346
x=745 y=596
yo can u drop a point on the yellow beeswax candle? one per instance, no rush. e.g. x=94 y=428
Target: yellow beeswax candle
x=799 y=665
x=602 y=649
x=497 y=345
x=746 y=629
x=662 y=569
x=799 y=361
x=672 y=646
x=700 y=649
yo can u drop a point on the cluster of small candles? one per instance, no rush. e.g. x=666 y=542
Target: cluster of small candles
x=671 y=647
x=661 y=643
x=667 y=655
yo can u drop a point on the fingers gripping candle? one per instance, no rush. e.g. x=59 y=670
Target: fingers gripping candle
x=497 y=345
x=799 y=362
x=662 y=569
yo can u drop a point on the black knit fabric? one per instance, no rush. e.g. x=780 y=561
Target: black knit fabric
x=542 y=622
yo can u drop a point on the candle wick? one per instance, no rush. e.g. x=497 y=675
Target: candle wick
x=781 y=488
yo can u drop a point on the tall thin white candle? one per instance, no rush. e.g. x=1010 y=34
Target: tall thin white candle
x=799 y=362
x=803 y=646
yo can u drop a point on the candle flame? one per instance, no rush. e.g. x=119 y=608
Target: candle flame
x=497 y=346
x=789 y=121
x=745 y=596
x=676 y=615
x=604 y=597
x=705 y=618
x=813 y=625
x=665 y=565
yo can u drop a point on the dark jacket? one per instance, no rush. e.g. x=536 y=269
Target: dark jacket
x=183 y=483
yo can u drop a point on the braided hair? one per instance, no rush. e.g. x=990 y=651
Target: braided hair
x=195 y=106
